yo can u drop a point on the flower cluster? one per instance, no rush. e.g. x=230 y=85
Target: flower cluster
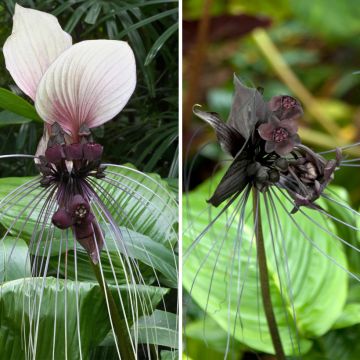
x=262 y=138
x=74 y=88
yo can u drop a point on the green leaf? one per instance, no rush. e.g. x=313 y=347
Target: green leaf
x=147 y=21
x=160 y=328
x=9 y=118
x=229 y=272
x=349 y=317
x=14 y=263
x=208 y=340
x=17 y=105
x=160 y=42
x=93 y=13
x=94 y=322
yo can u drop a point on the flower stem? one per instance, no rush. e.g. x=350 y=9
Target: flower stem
x=122 y=335
x=264 y=279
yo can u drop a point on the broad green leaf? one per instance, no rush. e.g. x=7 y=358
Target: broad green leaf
x=349 y=317
x=338 y=344
x=94 y=322
x=16 y=104
x=169 y=355
x=229 y=271
x=138 y=246
x=14 y=263
x=208 y=340
x=9 y=118
x=160 y=328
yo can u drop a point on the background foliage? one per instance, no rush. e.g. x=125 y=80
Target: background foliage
x=302 y=49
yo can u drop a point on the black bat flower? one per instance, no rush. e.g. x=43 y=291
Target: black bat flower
x=267 y=151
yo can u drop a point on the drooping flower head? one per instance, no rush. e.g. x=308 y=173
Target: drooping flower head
x=271 y=176
x=75 y=88
x=262 y=138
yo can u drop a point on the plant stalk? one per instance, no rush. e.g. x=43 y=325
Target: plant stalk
x=264 y=279
x=123 y=338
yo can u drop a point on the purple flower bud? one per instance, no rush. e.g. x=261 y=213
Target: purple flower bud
x=62 y=219
x=92 y=151
x=83 y=230
x=73 y=151
x=55 y=154
x=79 y=208
x=285 y=107
x=280 y=136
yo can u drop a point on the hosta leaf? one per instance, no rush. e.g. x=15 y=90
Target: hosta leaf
x=14 y=263
x=94 y=322
x=318 y=287
x=160 y=328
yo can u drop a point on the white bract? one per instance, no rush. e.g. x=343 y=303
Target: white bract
x=86 y=83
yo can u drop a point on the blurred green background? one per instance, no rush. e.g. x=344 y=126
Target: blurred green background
x=145 y=133
x=307 y=49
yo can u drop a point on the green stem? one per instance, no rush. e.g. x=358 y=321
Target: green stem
x=264 y=279
x=122 y=335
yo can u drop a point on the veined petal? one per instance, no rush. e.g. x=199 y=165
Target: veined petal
x=36 y=41
x=88 y=84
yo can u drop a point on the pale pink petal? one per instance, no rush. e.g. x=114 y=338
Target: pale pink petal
x=88 y=84
x=36 y=41
x=266 y=131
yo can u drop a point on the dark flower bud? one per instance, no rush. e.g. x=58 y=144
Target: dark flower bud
x=62 y=219
x=55 y=154
x=73 y=151
x=274 y=176
x=92 y=151
x=285 y=107
x=79 y=208
x=84 y=130
x=83 y=230
x=281 y=164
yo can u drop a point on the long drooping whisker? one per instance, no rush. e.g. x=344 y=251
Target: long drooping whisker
x=237 y=253
x=142 y=303
x=350 y=160
x=343 y=205
x=275 y=244
x=187 y=174
x=9 y=156
x=42 y=292
x=227 y=229
x=45 y=212
x=56 y=297
x=119 y=211
x=170 y=196
x=142 y=199
x=312 y=241
x=19 y=190
x=101 y=210
x=199 y=237
x=77 y=302
x=338 y=220
x=141 y=185
x=282 y=246
x=108 y=307
x=341 y=148
x=323 y=228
